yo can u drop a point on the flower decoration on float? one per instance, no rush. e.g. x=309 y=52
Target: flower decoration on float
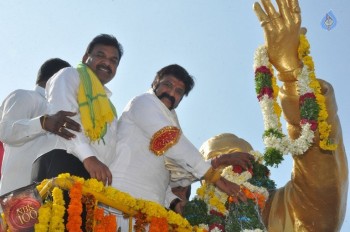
x=51 y=213
x=91 y=192
x=313 y=112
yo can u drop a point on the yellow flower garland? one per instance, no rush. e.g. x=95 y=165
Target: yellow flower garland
x=323 y=127
x=58 y=210
x=44 y=217
x=276 y=107
x=119 y=200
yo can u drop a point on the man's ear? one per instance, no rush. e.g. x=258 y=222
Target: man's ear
x=85 y=58
x=155 y=84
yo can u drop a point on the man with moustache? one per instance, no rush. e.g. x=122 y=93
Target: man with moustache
x=149 y=133
x=82 y=90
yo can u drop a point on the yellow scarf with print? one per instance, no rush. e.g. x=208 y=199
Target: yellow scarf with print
x=96 y=110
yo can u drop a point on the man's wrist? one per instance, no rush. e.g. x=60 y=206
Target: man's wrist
x=42 y=121
x=174 y=203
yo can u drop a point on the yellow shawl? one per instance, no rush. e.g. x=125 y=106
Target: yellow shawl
x=95 y=108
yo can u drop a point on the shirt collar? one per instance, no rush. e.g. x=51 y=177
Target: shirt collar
x=40 y=90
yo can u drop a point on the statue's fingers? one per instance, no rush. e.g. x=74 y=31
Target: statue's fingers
x=270 y=9
x=259 y=12
x=274 y=17
x=285 y=11
x=263 y=18
x=296 y=11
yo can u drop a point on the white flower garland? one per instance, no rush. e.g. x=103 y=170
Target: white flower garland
x=271 y=121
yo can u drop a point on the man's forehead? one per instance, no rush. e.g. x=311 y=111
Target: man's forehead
x=172 y=78
x=106 y=49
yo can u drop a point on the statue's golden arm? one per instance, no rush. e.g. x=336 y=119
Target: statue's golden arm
x=315 y=198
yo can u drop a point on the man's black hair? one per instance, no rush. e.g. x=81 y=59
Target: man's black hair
x=105 y=39
x=179 y=73
x=49 y=68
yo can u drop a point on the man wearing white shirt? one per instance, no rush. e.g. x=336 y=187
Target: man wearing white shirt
x=24 y=131
x=83 y=90
x=149 y=133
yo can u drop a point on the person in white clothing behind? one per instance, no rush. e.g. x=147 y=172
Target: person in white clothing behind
x=149 y=132
x=24 y=125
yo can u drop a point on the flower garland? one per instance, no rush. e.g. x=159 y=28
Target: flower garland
x=58 y=210
x=90 y=202
x=147 y=209
x=216 y=199
x=51 y=213
x=323 y=127
x=312 y=108
x=213 y=210
x=75 y=208
x=44 y=217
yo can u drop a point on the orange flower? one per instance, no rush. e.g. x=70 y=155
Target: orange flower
x=256 y=197
x=110 y=223
x=158 y=225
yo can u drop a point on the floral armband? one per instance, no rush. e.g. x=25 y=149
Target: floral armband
x=163 y=139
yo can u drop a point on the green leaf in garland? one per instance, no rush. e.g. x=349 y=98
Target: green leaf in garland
x=309 y=109
x=273 y=157
x=274 y=132
x=262 y=80
x=244 y=215
x=195 y=212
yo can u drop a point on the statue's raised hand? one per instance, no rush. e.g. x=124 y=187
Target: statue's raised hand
x=281 y=30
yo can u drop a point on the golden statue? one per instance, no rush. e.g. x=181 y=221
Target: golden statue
x=315 y=198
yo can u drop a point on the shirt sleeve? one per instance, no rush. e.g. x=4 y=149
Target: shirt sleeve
x=18 y=124
x=151 y=116
x=62 y=92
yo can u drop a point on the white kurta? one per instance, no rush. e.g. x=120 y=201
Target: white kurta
x=136 y=169
x=61 y=94
x=22 y=135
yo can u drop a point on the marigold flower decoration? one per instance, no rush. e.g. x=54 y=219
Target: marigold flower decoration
x=51 y=213
x=75 y=208
x=146 y=209
x=44 y=217
x=313 y=112
x=58 y=210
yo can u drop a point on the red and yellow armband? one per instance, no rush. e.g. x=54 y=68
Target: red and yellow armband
x=163 y=139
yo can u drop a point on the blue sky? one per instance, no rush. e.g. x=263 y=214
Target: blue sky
x=213 y=40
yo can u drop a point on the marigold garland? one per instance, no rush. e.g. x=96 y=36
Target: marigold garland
x=44 y=216
x=75 y=208
x=58 y=210
x=158 y=225
x=110 y=223
x=104 y=223
x=146 y=209
x=98 y=216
